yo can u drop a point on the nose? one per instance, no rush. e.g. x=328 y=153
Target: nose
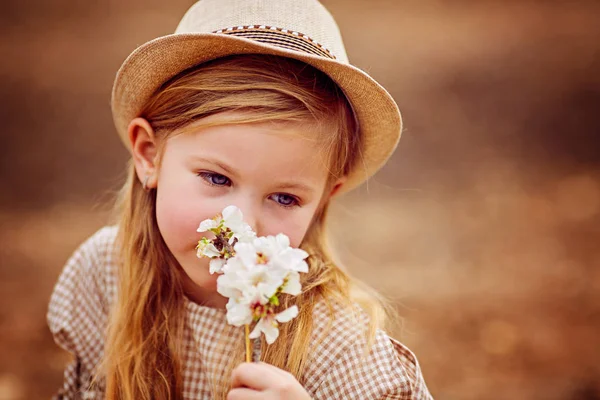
x=251 y=213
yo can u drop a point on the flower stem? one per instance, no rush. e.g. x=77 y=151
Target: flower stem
x=248 y=350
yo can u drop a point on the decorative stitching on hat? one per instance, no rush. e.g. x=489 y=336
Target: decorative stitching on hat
x=281 y=41
x=293 y=40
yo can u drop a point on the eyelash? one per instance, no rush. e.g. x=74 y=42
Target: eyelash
x=206 y=176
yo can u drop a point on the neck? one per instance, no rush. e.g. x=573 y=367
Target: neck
x=202 y=296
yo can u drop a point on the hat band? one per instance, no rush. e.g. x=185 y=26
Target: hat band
x=279 y=37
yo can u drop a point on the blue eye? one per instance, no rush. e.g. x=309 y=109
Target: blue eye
x=286 y=200
x=215 y=179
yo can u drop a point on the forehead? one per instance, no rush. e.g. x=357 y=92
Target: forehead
x=290 y=149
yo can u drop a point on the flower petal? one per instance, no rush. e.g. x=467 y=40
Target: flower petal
x=232 y=213
x=288 y=314
x=206 y=249
x=269 y=327
x=292 y=285
x=238 y=314
x=207 y=225
x=255 y=334
x=246 y=252
x=234 y=219
x=282 y=240
x=216 y=265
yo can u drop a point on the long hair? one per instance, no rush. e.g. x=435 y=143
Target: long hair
x=142 y=358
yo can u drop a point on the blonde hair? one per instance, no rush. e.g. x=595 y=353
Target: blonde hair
x=144 y=343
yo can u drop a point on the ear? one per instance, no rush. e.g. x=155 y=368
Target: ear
x=337 y=186
x=143 y=151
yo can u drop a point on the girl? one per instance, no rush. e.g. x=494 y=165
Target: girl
x=251 y=103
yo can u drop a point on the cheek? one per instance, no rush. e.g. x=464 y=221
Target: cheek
x=179 y=211
x=180 y=207
x=294 y=225
x=178 y=218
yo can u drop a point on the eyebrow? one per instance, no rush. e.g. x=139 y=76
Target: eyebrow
x=231 y=171
x=218 y=163
x=298 y=186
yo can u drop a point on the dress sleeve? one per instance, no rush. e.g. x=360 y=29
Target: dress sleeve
x=389 y=372
x=409 y=363
x=77 y=314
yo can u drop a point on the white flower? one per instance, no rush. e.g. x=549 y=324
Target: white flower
x=216 y=265
x=243 y=309
x=274 y=251
x=230 y=284
x=238 y=313
x=292 y=259
x=208 y=224
x=246 y=235
x=292 y=284
x=206 y=248
x=233 y=219
x=240 y=277
x=255 y=270
x=261 y=250
x=230 y=223
x=248 y=253
x=264 y=278
x=269 y=325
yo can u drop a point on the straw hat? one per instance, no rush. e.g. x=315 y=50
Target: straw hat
x=299 y=29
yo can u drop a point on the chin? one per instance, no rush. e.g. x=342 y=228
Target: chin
x=199 y=274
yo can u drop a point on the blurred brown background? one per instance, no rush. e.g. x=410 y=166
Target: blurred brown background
x=484 y=226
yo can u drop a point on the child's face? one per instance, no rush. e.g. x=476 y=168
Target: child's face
x=274 y=173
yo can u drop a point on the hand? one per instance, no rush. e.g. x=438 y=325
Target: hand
x=263 y=381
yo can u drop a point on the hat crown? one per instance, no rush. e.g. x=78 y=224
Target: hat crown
x=307 y=17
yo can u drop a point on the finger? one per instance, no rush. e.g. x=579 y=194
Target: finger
x=276 y=370
x=244 y=394
x=256 y=376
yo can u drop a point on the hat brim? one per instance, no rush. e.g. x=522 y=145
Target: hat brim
x=155 y=62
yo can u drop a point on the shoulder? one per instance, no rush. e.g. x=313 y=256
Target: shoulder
x=337 y=326
x=344 y=366
x=91 y=266
x=82 y=295
x=99 y=246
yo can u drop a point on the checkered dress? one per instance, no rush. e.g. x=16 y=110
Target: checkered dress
x=78 y=315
